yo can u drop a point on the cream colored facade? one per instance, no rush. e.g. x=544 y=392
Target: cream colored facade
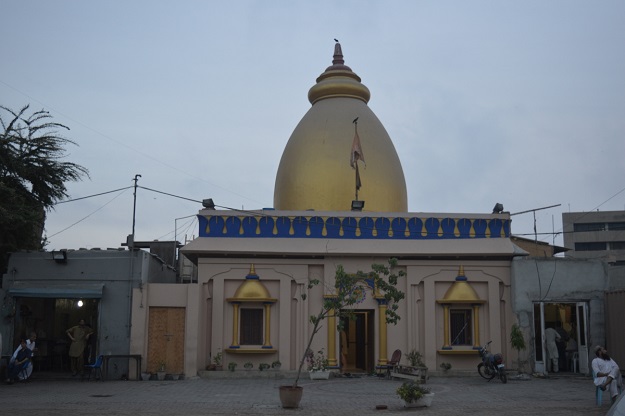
x=284 y=266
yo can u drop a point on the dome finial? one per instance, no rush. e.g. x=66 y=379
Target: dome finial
x=461 y=275
x=338 y=54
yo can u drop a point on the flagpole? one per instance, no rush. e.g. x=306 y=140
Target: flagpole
x=357 y=177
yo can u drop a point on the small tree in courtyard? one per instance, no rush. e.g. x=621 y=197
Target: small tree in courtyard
x=518 y=342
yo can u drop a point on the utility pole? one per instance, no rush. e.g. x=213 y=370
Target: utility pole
x=134 y=206
x=534 y=212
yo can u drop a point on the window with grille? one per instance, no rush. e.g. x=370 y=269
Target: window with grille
x=251 y=326
x=597 y=246
x=460 y=327
x=588 y=226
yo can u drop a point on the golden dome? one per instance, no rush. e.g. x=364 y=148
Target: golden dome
x=315 y=172
x=461 y=291
x=252 y=290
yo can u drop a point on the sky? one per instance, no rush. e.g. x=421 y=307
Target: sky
x=516 y=102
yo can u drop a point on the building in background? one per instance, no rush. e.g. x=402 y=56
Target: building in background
x=595 y=235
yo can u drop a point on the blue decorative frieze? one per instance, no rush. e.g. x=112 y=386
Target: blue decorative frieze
x=364 y=228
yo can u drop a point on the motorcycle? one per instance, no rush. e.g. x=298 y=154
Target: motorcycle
x=491 y=365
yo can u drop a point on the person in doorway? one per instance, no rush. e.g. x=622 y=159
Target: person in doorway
x=606 y=372
x=79 y=335
x=561 y=344
x=551 y=336
x=571 y=350
x=19 y=361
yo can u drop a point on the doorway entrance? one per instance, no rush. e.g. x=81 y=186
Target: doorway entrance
x=570 y=318
x=49 y=318
x=358 y=343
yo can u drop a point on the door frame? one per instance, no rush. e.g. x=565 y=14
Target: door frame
x=581 y=322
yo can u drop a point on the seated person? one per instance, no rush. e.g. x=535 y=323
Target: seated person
x=606 y=372
x=19 y=361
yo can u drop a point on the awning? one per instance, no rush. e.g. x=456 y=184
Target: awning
x=58 y=291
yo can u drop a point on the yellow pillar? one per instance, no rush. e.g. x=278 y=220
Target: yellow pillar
x=235 y=325
x=382 y=360
x=267 y=343
x=331 y=339
x=446 y=345
x=476 y=326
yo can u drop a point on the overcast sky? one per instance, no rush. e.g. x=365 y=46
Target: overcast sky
x=517 y=102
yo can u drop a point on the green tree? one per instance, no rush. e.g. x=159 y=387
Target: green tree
x=32 y=177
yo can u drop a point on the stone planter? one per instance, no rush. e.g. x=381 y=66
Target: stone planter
x=319 y=375
x=290 y=396
x=160 y=375
x=145 y=376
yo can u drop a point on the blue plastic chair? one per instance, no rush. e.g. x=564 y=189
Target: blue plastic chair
x=95 y=367
x=599 y=392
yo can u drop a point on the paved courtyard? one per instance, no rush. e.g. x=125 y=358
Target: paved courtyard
x=563 y=396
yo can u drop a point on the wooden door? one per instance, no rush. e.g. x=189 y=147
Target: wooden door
x=166 y=339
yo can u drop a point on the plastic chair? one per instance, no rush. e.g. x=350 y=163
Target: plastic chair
x=95 y=367
x=574 y=361
x=599 y=392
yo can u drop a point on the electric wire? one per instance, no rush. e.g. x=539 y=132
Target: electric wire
x=84 y=218
x=91 y=196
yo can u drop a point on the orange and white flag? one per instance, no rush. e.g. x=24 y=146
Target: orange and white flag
x=356 y=151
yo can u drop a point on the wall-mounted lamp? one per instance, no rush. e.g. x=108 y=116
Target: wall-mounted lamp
x=358 y=205
x=59 y=256
x=80 y=303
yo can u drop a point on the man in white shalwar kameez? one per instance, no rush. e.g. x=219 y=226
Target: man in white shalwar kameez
x=551 y=336
x=606 y=372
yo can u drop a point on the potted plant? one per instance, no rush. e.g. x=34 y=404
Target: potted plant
x=518 y=343
x=415 y=358
x=445 y=367
x=347 y=292
x=263 y=366
x=217 y=360
x=414 y=394
x=145 y=376
x=276 y=365
x=248 y=365
x=317 y=365
x=232 y=366
x=161 y=372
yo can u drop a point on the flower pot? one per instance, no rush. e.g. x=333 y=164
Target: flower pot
x=160 y=375
x=425 y=401
x=145 y=376
x=319 y=375
x=291 y=396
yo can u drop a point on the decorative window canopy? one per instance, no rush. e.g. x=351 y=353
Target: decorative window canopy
x=461 y=291
x=252 y=290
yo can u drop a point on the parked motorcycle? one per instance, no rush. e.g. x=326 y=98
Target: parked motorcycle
x=492 y=365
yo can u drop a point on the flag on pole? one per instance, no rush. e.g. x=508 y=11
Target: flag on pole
x=356 y=155
x=356 y=151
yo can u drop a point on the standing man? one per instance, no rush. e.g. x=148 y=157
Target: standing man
x=606 y=372
x=551 y=336
x=79 y=335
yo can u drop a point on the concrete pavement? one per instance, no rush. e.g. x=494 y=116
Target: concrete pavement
x=556 y=396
